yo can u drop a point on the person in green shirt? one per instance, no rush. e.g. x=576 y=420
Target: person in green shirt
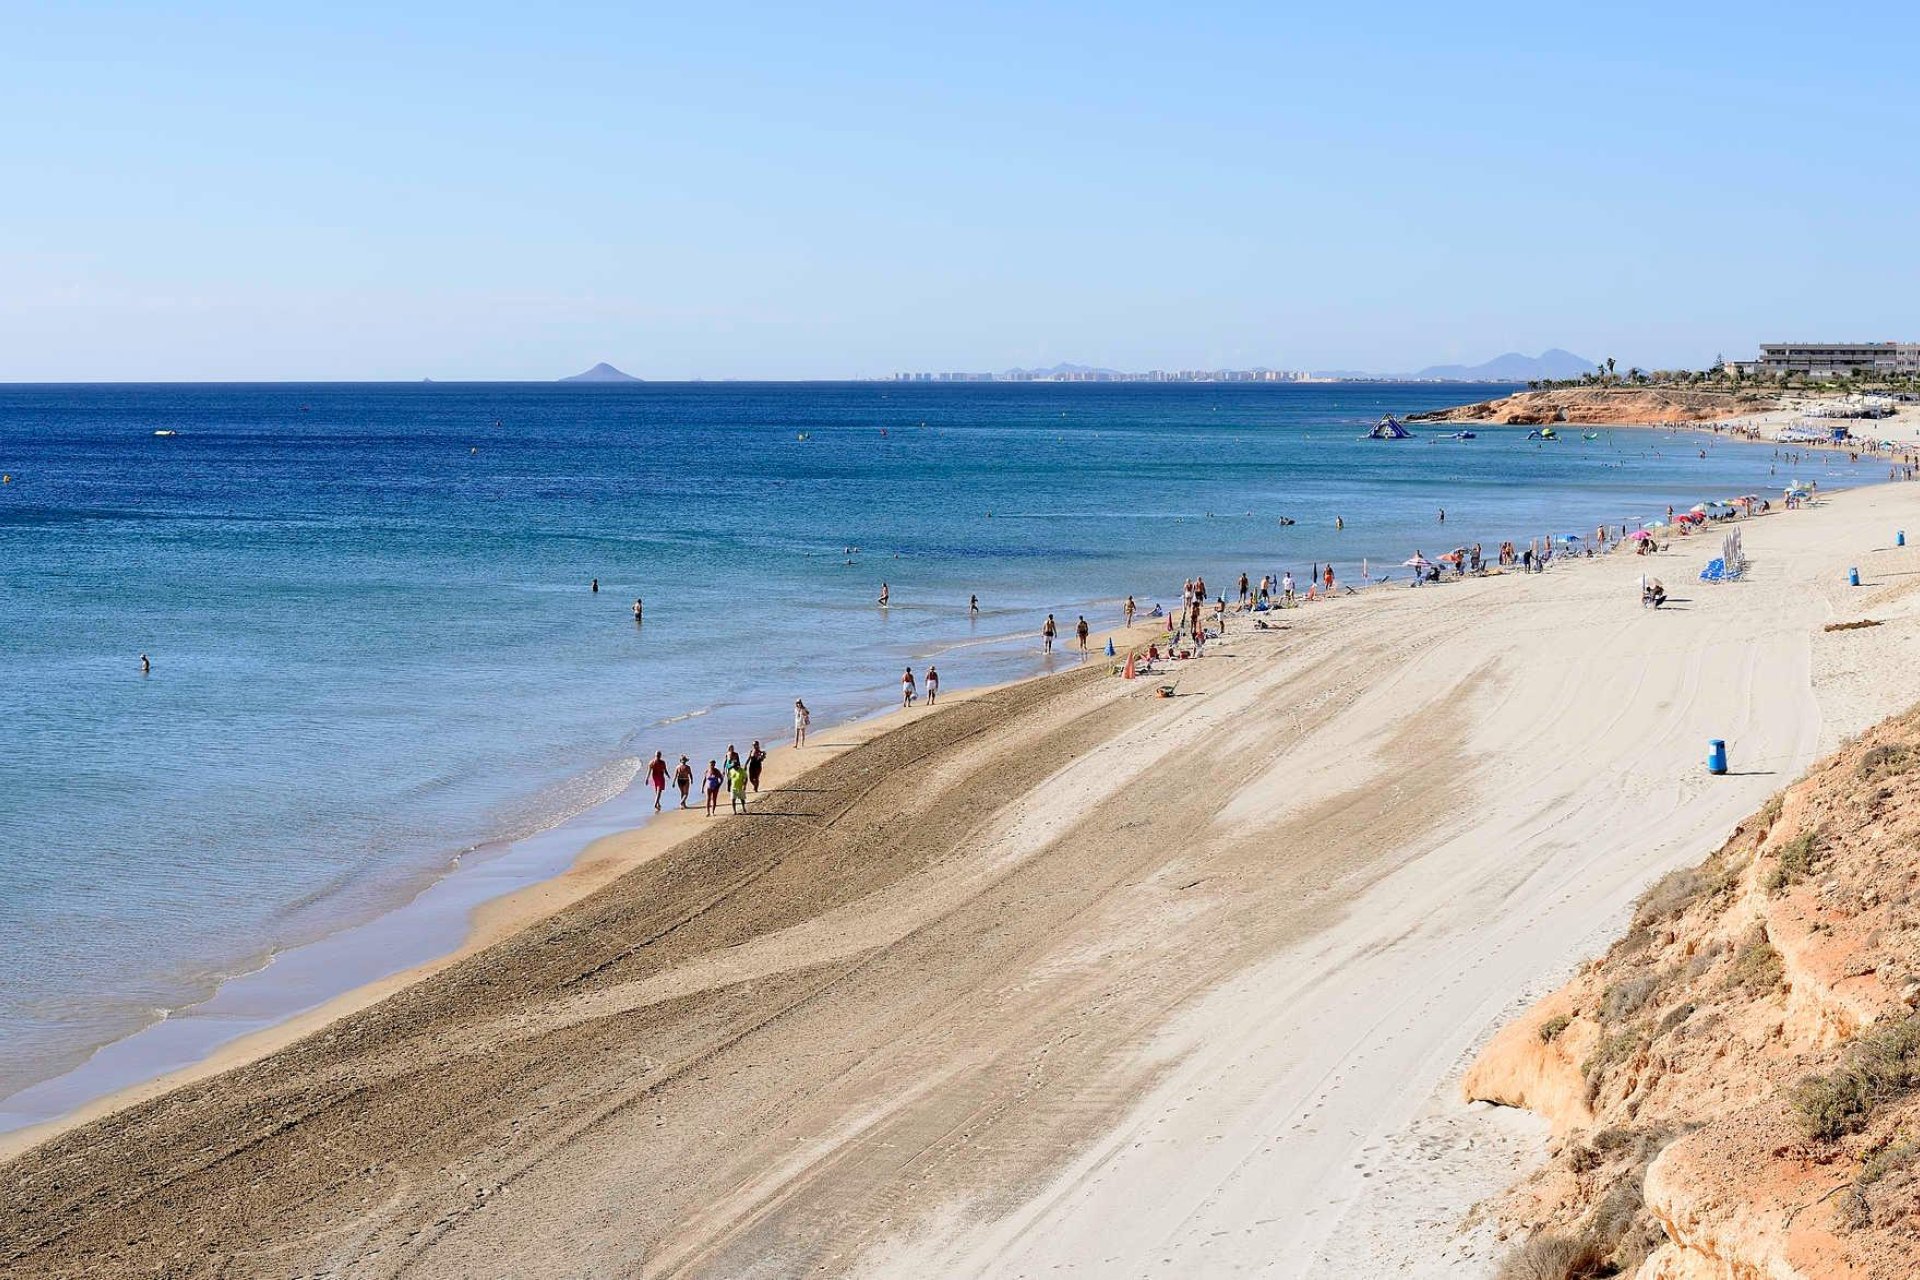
x=737 y=785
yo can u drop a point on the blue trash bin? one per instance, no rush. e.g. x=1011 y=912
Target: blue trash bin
x=1853 y=577
x=1716 y=755
x=1900 y=538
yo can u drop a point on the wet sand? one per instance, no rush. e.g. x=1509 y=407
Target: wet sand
x=1062 y=978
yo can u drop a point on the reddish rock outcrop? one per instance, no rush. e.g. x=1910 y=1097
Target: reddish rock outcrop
x=1735 y=1087
x=1607 y=406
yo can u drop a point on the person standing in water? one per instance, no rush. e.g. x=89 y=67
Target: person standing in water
x=1080 y=632
x=146 y=666
x=683 y=779
x=639 y=610
x=884 y=595
x=1047 y=631
x=1127 y=611
x=933 y=684
x=801 y=718
x=973 y=606
x=657 y=779
x=1443 y=515
x=756 y=760
x=596 y=586
x=711 y=785
x=906 y=688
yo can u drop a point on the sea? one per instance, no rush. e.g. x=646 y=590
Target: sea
x=383 y=690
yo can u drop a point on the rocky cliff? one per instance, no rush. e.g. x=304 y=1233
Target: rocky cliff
x=1735 y=1087
x=1598 y=406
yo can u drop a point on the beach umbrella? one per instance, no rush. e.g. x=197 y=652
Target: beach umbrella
x=1639 y=535
x=1415 y=562
x=1698 y=507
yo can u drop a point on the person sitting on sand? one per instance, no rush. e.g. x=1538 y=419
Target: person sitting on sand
x=801 y=719
x=711 y=785
x=683 y=779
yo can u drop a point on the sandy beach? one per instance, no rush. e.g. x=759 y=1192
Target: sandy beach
x=1061 y=978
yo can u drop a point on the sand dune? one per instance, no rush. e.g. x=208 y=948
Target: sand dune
x=1062 y=979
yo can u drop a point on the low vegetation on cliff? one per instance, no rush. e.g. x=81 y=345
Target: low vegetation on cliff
x=1735 y=1086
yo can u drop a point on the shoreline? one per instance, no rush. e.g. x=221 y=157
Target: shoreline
x=1110 y=756
x=189 y=1048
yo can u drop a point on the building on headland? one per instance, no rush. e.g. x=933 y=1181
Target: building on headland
x=1831 y=360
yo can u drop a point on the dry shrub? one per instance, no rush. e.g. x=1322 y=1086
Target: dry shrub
x=1796 y=860
x=1882 y=1064
x=1884 y=761
x=1550 y=1029
x=1624 y=999
x=1557 y=1258
x=1757 y=969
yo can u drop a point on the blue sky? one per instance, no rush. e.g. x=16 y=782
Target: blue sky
x=723 y=190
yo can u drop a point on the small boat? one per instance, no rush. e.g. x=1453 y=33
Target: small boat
x=1589 y=435
x=166 y=431
x=1388 y=428
x=1463 y=435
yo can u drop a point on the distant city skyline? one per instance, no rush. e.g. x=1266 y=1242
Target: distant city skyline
x=745 y=191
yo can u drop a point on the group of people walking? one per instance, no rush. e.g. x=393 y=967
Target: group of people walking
x=735 y=776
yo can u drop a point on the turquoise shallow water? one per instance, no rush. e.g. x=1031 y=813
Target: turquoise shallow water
x=375 y=651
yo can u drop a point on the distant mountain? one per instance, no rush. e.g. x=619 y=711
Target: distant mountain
x=1059 y=371
x=602 y=372
x=1511 y=367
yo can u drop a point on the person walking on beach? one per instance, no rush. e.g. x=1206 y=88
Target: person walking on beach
x=1328 y=577
x=933 y=684
x=801 y=718
x=756 y=760
x=1286 y=586
x=906 y=688
x=1080 y=631
x=683 y=779
x=711 y=785
x=737 y=787
x=657 y=779
x=733 y=755
x=1127 y=611
x=1047 y=631
x=1243 y=590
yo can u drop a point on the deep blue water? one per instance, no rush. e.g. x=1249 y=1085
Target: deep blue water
x=374 y=646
